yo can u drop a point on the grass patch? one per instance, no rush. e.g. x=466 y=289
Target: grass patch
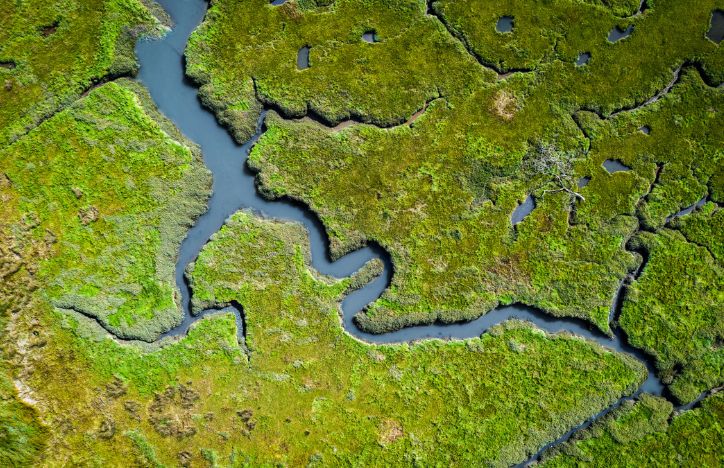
x=90 y=40
x=115 y=190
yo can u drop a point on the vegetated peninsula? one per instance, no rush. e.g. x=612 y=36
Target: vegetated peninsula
x=361 y=232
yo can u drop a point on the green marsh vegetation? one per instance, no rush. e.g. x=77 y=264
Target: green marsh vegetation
x=648 y=433
x=55 y=50
x=673 y=311
x=97 y=197
x=441 y=207
x=305 y=390
x=88 y=177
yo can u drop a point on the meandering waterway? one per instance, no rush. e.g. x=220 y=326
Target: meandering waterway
x=162 y=72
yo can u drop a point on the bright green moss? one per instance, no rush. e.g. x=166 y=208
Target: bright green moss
x=674 y=312
x=646 y=433
x=114 y=190
x=59 y=49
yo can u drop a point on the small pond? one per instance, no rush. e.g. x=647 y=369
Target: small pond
x=617 y=33
x=303 y=58
x=716 y=28
x=614 y=165
x=370 y=36
x=504 y=24
x=583 y=58
x=523 y=210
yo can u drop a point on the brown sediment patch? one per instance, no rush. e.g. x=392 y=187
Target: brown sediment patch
x=505 y=105
x=415 y=116
x=88 y=215
x=390 y=431
x=25 y=393
x=50 y=29
x=342 y=125
x=171 y=413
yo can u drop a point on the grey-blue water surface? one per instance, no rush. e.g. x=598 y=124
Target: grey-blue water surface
x=688 y=209
x=504 y=24
x=524 y=209
x=583 y=58
x=614 y=165
x=616 y=34
x=716 y=29
x=302 y=59
x=162 y=72
x=369 y=36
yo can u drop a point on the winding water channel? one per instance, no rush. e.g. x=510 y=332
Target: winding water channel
x=162 y=72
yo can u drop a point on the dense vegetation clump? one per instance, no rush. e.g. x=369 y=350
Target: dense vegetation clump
x=648 y=433
x=674 y=312
x=86 y=179
x=57 y=49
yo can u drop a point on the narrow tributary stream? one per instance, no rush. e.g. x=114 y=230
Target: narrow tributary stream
x=162 y=72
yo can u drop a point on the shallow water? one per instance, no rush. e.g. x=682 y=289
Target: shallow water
x=504 y=24
x=303 y=58
x=616 y=34
x=523 y=210
x=614 y=165
x=716 y=27
x=369 y=36
x=583 y=58
x=688 y=209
